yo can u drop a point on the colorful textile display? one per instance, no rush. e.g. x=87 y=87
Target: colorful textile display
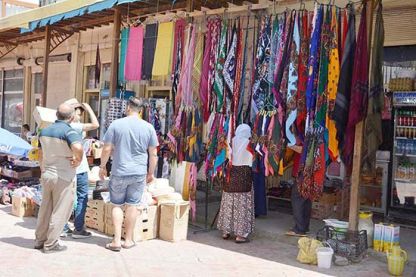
x=163 y=54
x=133 y=66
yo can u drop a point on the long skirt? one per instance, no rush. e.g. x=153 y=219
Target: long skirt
x=237 y=213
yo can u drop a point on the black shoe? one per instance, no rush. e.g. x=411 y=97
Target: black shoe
x=81 y=234
x=56 y=248
x=66 y=233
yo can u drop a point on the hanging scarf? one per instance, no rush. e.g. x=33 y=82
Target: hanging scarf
x=204 y=83
x=178 y=53
x=373 y=136
x=237 y=97
x=342 y=101
x=124 y=37
x=261 y=95
x=197 y=65
x=229 y=69
x=213 y=35
x=97 y=66
x=333 y=77
x=149 y=45
x=239 y=117
x=219 y=79
x=359 y=88
x=303 y=76
x=133 y=67
x=313 y=65
x=163 y=53
x=291 y=111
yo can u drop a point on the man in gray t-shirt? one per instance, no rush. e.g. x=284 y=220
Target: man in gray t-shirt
x=132 y=143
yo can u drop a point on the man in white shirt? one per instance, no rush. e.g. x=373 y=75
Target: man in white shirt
x=79 y=231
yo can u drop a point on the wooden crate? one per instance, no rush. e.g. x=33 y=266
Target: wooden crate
x=95 y=223
x=95 y=215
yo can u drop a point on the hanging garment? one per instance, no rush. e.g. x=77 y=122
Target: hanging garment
x=133 y=67
x=213 y=35
x=333 y=78
x=342 y=101
x=97 y=67
x=178 y=57
x=291 y=111
x=303 y=77
x=239 y=116
x=149 y=46
x=163 y=53
x=259 y=187
x=197 y=66
x=373 y=136
x=219 y=78
x=261 y=92
x=313 y=66
x=359 y=88
x=238 y=80
x=204 y=85
x=124 y=37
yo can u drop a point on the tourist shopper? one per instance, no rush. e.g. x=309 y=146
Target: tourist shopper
x=237 y=204
x=132 y=143
x=79 y=231
x=60 y=156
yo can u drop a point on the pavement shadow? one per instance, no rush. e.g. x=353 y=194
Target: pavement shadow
x=28 y=223
x=95 y=239
x=19 y=241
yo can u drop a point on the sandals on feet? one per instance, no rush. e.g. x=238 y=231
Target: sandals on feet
x=112 y=248
x=294 y=234
x=244 y=240
x=226 y=236
x=128 y=247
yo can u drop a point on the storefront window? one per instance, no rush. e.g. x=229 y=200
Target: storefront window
x=12 y=100
x=90 y=78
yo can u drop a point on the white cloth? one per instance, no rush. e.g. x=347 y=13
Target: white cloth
x=241 y=156
x=405 y=189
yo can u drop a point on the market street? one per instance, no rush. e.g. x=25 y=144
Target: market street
x=204 y=254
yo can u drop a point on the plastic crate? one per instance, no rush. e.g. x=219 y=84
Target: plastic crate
x=349 y=244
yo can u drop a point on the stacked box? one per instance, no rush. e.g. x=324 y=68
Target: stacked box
x=146 y=224
x=22 y=206
x=95 y=215
x=325 y=207
x=391 y=237
x=378 y=237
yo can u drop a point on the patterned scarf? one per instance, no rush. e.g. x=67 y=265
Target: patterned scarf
x=213 y=35
x=178 y=53
x=303 y=76
x=229 y=70
x=311 y=89
x=359 y=88
x=219 y=79
x=291 y=111
x=333 y=77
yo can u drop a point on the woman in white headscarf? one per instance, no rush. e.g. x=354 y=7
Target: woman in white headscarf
x=237 y=204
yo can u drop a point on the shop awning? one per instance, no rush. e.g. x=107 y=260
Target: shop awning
x=90 y=9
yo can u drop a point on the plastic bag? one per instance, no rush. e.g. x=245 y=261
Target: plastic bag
x=307 y=250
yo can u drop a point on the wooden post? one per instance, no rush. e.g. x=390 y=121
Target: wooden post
x=46 y=65
x=115 y=52
x=358 y=141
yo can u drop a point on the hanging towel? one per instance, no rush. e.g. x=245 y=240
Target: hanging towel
x=123 y=51
x=149 y=46
x=163 y=55
x=133 y=67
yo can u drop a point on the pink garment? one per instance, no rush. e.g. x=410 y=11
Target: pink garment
x=134 y=57
x=185 y=82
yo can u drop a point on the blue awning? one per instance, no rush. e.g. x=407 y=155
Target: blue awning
x=96 y=7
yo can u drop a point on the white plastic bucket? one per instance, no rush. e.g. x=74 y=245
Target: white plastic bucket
x=324 y=257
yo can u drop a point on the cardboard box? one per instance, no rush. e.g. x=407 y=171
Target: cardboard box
x=378 y=237
x=391 y=237
x=95 y=215
x=174 y=221
x=44 y=116
x=22 y=206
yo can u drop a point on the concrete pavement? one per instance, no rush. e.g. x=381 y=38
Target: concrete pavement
x=204 y=254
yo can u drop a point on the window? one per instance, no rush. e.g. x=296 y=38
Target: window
x=12 y=100
x=104 y=77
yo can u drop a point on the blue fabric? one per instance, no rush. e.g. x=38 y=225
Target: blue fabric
x=12 y=144
x=127 y=190
x=259 y=181
x=131 y=138
x=82 y=200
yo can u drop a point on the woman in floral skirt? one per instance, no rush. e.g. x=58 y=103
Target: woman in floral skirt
x=237 y=204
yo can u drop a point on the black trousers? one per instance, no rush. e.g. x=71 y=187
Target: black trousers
x=302 y=209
